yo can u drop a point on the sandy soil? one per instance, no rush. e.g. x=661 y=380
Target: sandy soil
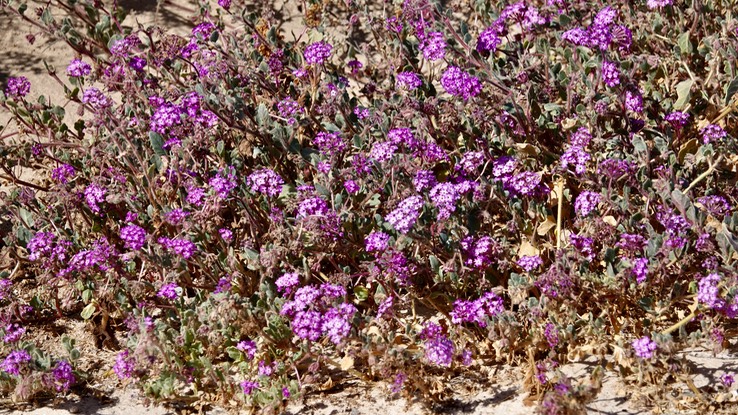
x=18 y=57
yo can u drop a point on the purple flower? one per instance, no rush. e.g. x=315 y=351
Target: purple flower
x=633 y=101
x=249 y=387
x=224 y=183
x=424 y=179
x=96 y=99
x=182 y=247
x=336 y=322
x=576 y=156
x=13 y=333
x=124 y=365
x=610 y=74
x=62 y=173
x=631 y=242
x=489 y=39
x=433 y=46
x=94 y=194
x=287 y=108
x=168 y=291
x=226 y=4
x=715 y=205
x=708 y=292
x=226 y=234
x=529 y=263
x=18 y=87
x=503 y=166
x=287 y=282
x=385 y=307
x=644 y=347
x=439 y=351
x=480 y=252
x=712 y=133
x=657 y=4
x=265 y=181
x=727 y=380
x=248 y=347
x=470 y=162
x=408 y=81
x=383 y=152
x=351 y=187
x=581 y=137
x=317 y=53
x=444 y=196
x=525 y=183
x=137 y=63
x=583 y=244
x=677 y=119
x=477 y=311
x=224 y=285
x=459 y=83
x=134 y=236
x=78 y=68
x=165 y=117
x=586 y=202
x=551 y=335
x=329 y=143
x=308 y=325
x=640 y=270
x=12 y=363
x=404 y=216
x=313 y=206
x=195 y=196
x=63 y=376
x=376 y=241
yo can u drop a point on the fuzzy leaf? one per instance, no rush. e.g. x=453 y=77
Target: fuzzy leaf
x=683 y=93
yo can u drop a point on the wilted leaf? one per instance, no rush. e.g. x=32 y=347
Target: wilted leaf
x=683 y=93
x=546 y=226
x=347 y=363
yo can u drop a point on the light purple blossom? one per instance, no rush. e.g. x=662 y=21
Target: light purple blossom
x=95 y=194
x=124 y=365
x=18 y=87
x=134 y=236
x=459 y=83
x=433 y=46
x=317 y=53
x=708 y=292
x=408 y=81
x=610 y=74
x=586 y=202
x=78 y=68
x=644 y=347
x=248 y=347
x=530 y=262
x=712 y=133
x=183 y=247
x=376 y=241
x=13 y=362
x=287 y=282
x=265 y=181
x=63 y=376
x=168 y=291
x=404 y=216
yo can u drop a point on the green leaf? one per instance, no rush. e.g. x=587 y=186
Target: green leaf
x=88 y=311
x=361 y=293
x=157 y=143
x=262 y=115
x=683 y=93
x=731 y=90
x=685 y=46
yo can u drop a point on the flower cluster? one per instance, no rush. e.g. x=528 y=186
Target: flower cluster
x=459 y=83
x=265 y=181
x=317 y=53
x=477 y=311
x=404 y=216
